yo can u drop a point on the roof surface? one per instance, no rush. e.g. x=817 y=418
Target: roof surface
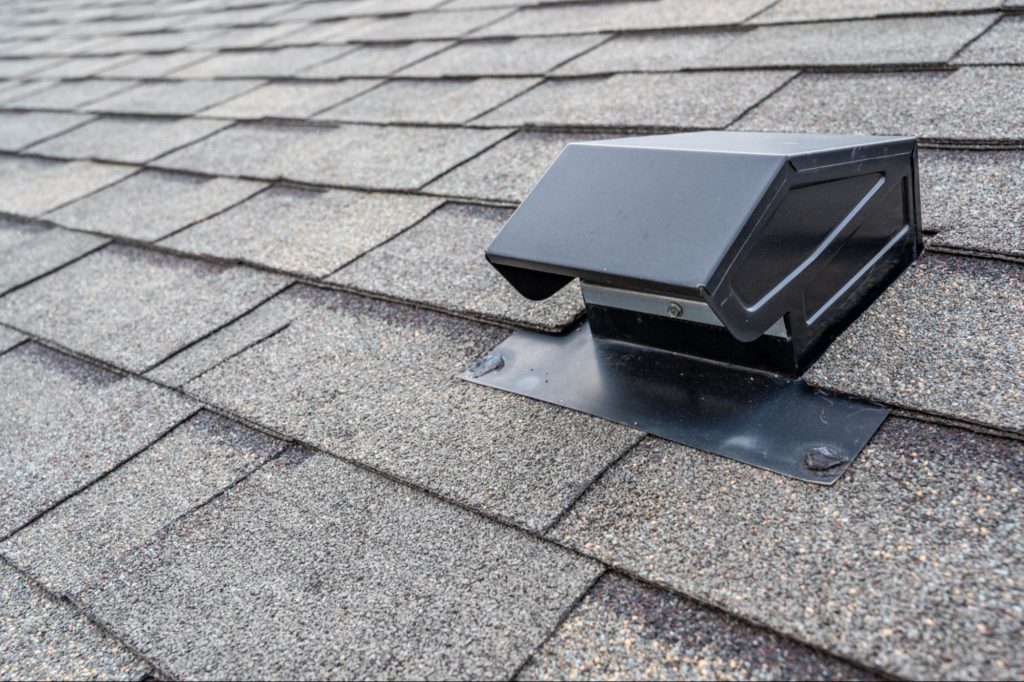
x=241 y=266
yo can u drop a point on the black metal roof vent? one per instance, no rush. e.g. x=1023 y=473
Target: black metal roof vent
x=712 y=263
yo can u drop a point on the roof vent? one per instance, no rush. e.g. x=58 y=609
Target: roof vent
x=712 y=263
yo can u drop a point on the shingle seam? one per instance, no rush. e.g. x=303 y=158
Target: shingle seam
x=218 y=328
x=101 y=476
x=972 y=253
x=565 y=615
x=998 y=20
x=893 y=15
x=588 y=485
x=50 y=137
x=91 y=619
x=64 y=264
x=378 y=245
x=246 y=347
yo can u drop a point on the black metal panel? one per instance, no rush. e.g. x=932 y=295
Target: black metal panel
x=778 y=424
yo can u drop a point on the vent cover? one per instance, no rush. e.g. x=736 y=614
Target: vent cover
x=715 y=267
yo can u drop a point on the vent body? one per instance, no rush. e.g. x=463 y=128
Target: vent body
x=738 y=235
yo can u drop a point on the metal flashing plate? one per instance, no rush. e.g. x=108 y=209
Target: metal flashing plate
x=778 y=424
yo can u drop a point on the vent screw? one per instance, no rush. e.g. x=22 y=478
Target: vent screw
x=675 y=310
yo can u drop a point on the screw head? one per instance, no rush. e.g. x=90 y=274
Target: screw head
x=675 y=310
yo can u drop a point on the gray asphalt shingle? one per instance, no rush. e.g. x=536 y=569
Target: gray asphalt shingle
x=978 y=103
x=278 y=63
x=84 y=66
x=153 y=204
x=934 y=341
x=175 y=97
x=128 y=140
x=914 y=40
x=43 y=638
x=155 y=65
x=507 y=171
x=66 y=423
x=31 y=187
x=70 y=95
x=290 y=100
x=304 y=231
x=430 y=101
x=683 y=100
x=429 y=25
x=517 y=57
x=392 y=400
x=1003 y=44
x=812 y=10
x=9 y=338
x=439 y=263
x=908 y=563
x=28 y=251
x=418 y=588
x=113 y=304
x=975 y=200
x=626 y=631
x=322 y=33
x=21 y=129
x=623 y=16
x=13 y=90
x=375 y=60
x=19 y=68
x=348 y=156
x=75 y=543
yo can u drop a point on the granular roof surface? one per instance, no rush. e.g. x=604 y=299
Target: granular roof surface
x=241 y=270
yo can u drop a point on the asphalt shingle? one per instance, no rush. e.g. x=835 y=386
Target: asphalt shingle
x=255 y=150
x=322 y=33
x=333 y=9
x=245 y=38
x=439 y=263
x=153 y=204
x=128 y=140
x=307 y=232
x=375 y=60
x=13 y=90
x=418 y=588
x=908 y=563
x=9 y=338
x=277 y=63
x=19 y=68
x=430 y=25
x=813 y=10
x=74 y=543
x=31 y=187
x=392 y=400
x=975 y=200
x=84 y=66
x=290 y=100
x=623 y=16
x=174 y=98
x=113 y=305
x=155 y=65
x=69 y=95
x=43 y=638
x=66 y=423
x=28 y=251
x=683 y=100
x=623 y=630
x=507 y=171
x=372 y=157
x=21 y=129
x=1003 y=44
x=430 y=101
x=978 y=103
x=661 y=51
x=934 y=341
x=516 y=57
